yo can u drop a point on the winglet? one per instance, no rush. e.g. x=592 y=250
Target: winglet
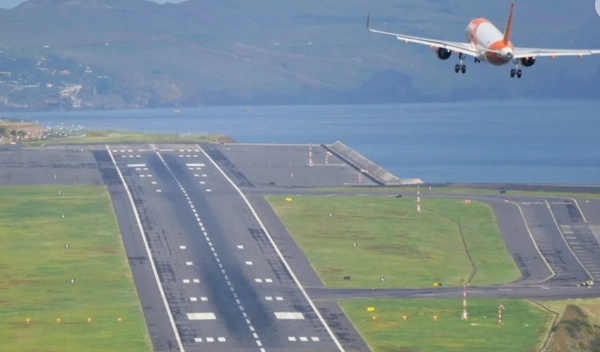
x=508 y=24
x=368 y=20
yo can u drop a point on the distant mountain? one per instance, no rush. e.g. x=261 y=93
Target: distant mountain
x=69 y=54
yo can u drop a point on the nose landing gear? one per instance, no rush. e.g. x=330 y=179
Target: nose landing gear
x=516 y=71
x=460 y=66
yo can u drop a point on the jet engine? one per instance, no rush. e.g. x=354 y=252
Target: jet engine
x=527 y=61
x=443 y=54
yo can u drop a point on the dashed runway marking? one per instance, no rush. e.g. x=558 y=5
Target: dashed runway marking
x=182 y=247
x=289 y=315
x=189 y=263
x=240 y=246
x=303 y=338
x=136 y=165
x=201 y=316
x=258 y=342
x=248 y=263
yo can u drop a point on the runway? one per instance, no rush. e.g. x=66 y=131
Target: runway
x=215 y=273
x=199 y=227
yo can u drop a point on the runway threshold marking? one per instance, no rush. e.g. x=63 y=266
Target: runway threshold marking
x=136 y=165
x=148 y=252
x=285 y=263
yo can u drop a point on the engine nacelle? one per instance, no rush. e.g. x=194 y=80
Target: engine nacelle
x=443 y=54
x=527 y=61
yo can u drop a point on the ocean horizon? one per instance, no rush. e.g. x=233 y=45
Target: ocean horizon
x=521 y=141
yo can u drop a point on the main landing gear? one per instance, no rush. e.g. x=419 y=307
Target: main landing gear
x=516 y=71
x=460 y=66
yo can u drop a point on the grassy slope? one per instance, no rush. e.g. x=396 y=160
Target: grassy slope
x=36 y=270
x=578 y=329
x=407 y=248
x=524 y=325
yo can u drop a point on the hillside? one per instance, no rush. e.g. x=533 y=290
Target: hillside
x=65 y=54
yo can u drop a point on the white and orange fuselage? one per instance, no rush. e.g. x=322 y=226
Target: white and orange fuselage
x=485 y=36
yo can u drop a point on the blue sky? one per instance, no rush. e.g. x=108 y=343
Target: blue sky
x=12 y=3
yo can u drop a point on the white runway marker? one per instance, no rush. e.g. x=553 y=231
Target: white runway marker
x=181 y=247
x=204 y=175
x=196 y=281
x=303 y=339
x=154 y=182
x=258 y=280
x=291 y=338
x=158 y=190
x=240 y=246
x=208 y=190
x=186 y=281
x=189 y=263
x=279 y=298
x=221 y=339
x=193 y=299
x=202 y=182
x=201 y=316
x=194 y=164
x=248 y=263
x=269 y=298
x=289 y=315
x=136 y=165
x=268 y=280
x=197 y=339
x=314 y=338
x=204 y=299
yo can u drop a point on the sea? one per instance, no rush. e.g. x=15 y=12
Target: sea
x=519 y=141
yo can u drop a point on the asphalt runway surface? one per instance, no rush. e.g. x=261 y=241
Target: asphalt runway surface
x=212 y=256
x=240 y=277
x=286 y=165
x=59 y=166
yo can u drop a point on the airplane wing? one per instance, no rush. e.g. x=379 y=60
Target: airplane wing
x=535 y=52
x=465 y=48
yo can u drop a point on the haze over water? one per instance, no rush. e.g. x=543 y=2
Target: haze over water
x=512 y=141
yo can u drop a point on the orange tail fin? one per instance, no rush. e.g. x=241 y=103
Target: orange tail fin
x=508 y=24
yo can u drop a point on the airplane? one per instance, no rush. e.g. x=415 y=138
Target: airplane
x=487 y=43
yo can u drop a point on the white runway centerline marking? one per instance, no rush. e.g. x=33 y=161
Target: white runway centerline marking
x=193 y=299
x=182 y=247
x=209 y=339
x=204 y=299
x=186 y=281
x=289 y=315
x=240 y=246
x=136 y=165
x=196 y=281
x=201 y=316
x=189 y=263
x=248 y=263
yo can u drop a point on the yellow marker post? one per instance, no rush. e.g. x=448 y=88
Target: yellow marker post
x=288 y=199
x=370 y=309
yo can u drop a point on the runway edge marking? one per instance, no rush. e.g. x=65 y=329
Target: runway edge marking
x=287 y=266
x=142 y=233
x=533 y=240
x=580 y=211
x=565 y=240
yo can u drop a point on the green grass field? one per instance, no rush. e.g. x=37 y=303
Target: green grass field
x=132 y=137
x=394 y=241
x=524 y=327
x=36 y=270
x=454 y=190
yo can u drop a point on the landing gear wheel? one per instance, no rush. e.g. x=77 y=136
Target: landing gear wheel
x=519 y=73
x=456 y=68
x=463 y=69
x=512 y=73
